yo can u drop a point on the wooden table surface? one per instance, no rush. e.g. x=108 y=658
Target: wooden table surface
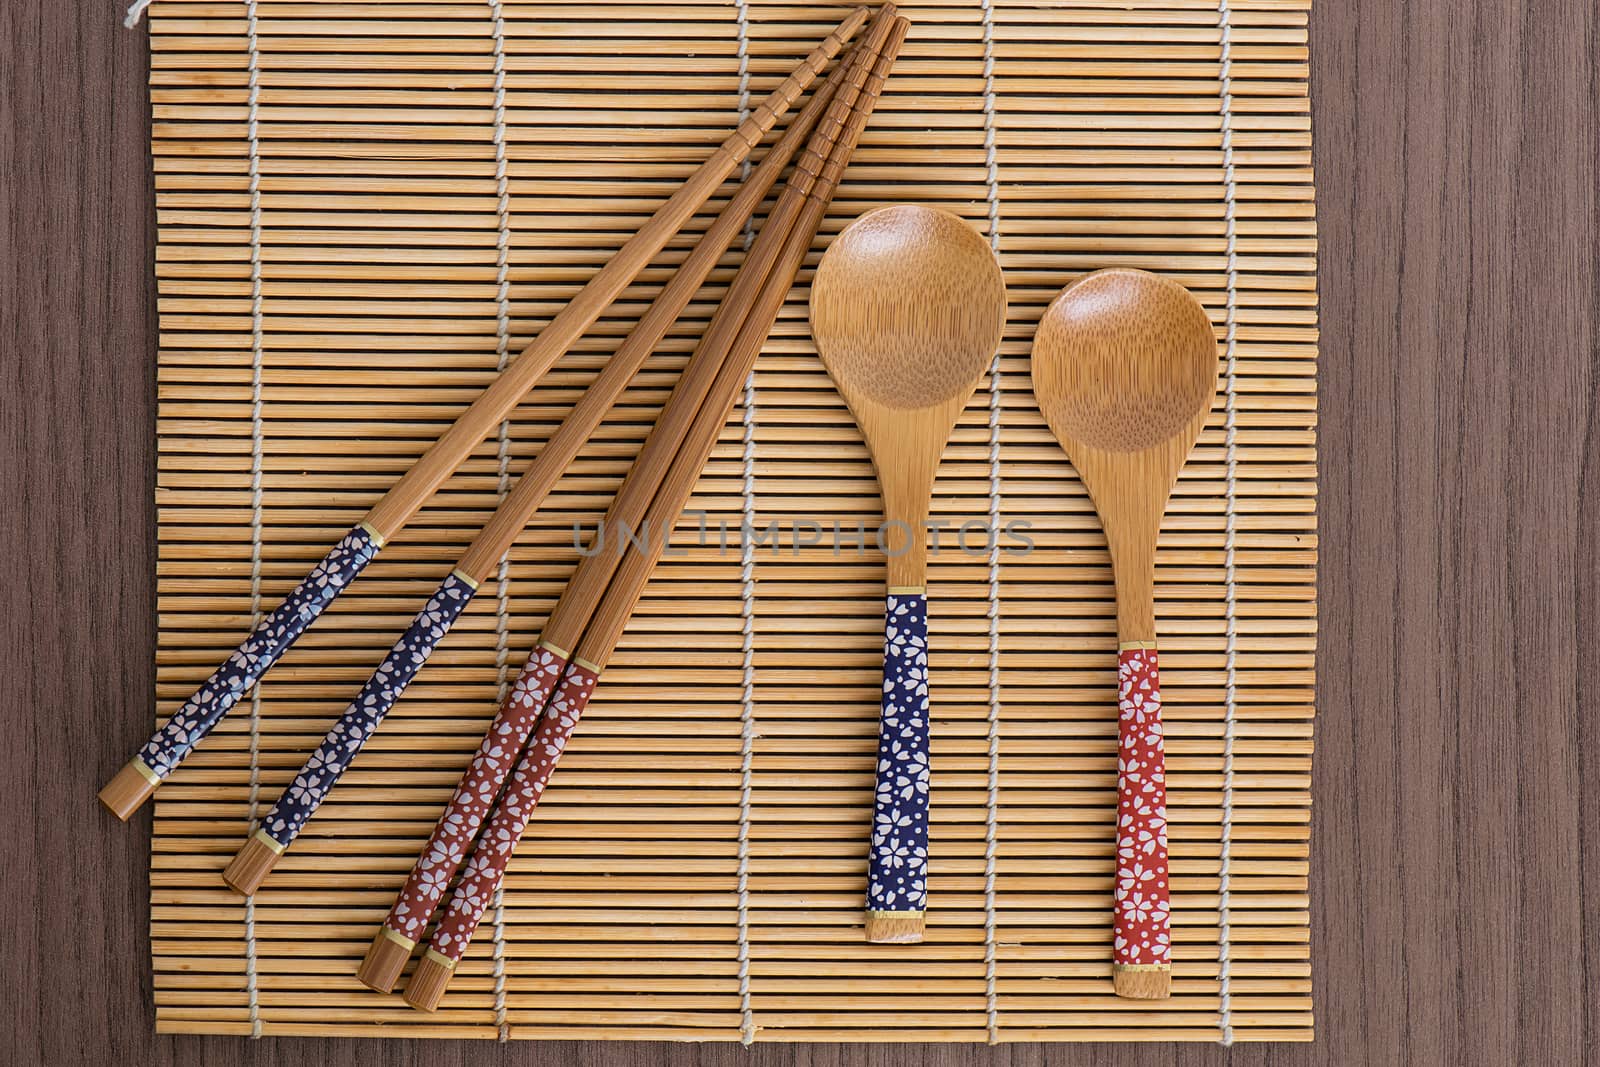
x=1451 y=909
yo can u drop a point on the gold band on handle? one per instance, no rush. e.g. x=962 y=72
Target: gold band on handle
x=266 y=839
x=398 y=938
x=440 y=958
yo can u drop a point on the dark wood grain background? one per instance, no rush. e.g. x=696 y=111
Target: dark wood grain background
x=1455 y=918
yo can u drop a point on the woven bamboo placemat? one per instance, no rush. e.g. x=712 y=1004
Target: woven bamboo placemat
x=364 y=207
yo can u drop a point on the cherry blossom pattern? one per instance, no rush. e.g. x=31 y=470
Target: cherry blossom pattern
x=171 y=744
x=1141 y=898
x=339 y=748
x=475 y=793
x=493 y=852
x=897 y=866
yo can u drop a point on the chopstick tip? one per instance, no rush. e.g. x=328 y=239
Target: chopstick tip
x=885 y=15
x=385 y=959
x=429 y=982
x=128 y=789
x=251 y=866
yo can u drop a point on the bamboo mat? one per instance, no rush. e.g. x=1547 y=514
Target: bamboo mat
x=408 y=188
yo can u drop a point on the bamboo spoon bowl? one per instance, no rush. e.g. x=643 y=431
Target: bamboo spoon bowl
x=907 y=308
x=1124 y=370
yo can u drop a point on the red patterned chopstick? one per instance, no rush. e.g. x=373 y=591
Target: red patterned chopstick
x=452 y=837
x=505 y=826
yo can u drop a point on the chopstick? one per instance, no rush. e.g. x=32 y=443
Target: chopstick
x=143 y=774
x=487 y=866
x=553 y=654
x=321 y=772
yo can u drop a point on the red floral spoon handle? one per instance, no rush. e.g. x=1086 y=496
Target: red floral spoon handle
x=1141 y=926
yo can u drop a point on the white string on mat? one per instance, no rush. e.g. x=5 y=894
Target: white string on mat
x=742 y=12
x=135 y=13
x=747 y=589
x=1230 y=535
x=502 y=189
x=257 y=346
x=992 y=818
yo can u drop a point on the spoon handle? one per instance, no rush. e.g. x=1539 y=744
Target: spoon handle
x=897 y=866
x=1142 y=942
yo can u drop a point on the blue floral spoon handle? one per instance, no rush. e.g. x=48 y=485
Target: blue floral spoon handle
x=316 y=779
x=897 y=869
x=190 y=724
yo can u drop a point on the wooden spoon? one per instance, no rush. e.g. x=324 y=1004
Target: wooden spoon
x=907 y=308
x=1124 y=369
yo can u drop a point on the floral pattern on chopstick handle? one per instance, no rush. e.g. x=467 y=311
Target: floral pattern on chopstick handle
x=342 y=743
x=897 y=870
x=480 y=784
x=1142 y=898
x=493 y=853
x=171 y=744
